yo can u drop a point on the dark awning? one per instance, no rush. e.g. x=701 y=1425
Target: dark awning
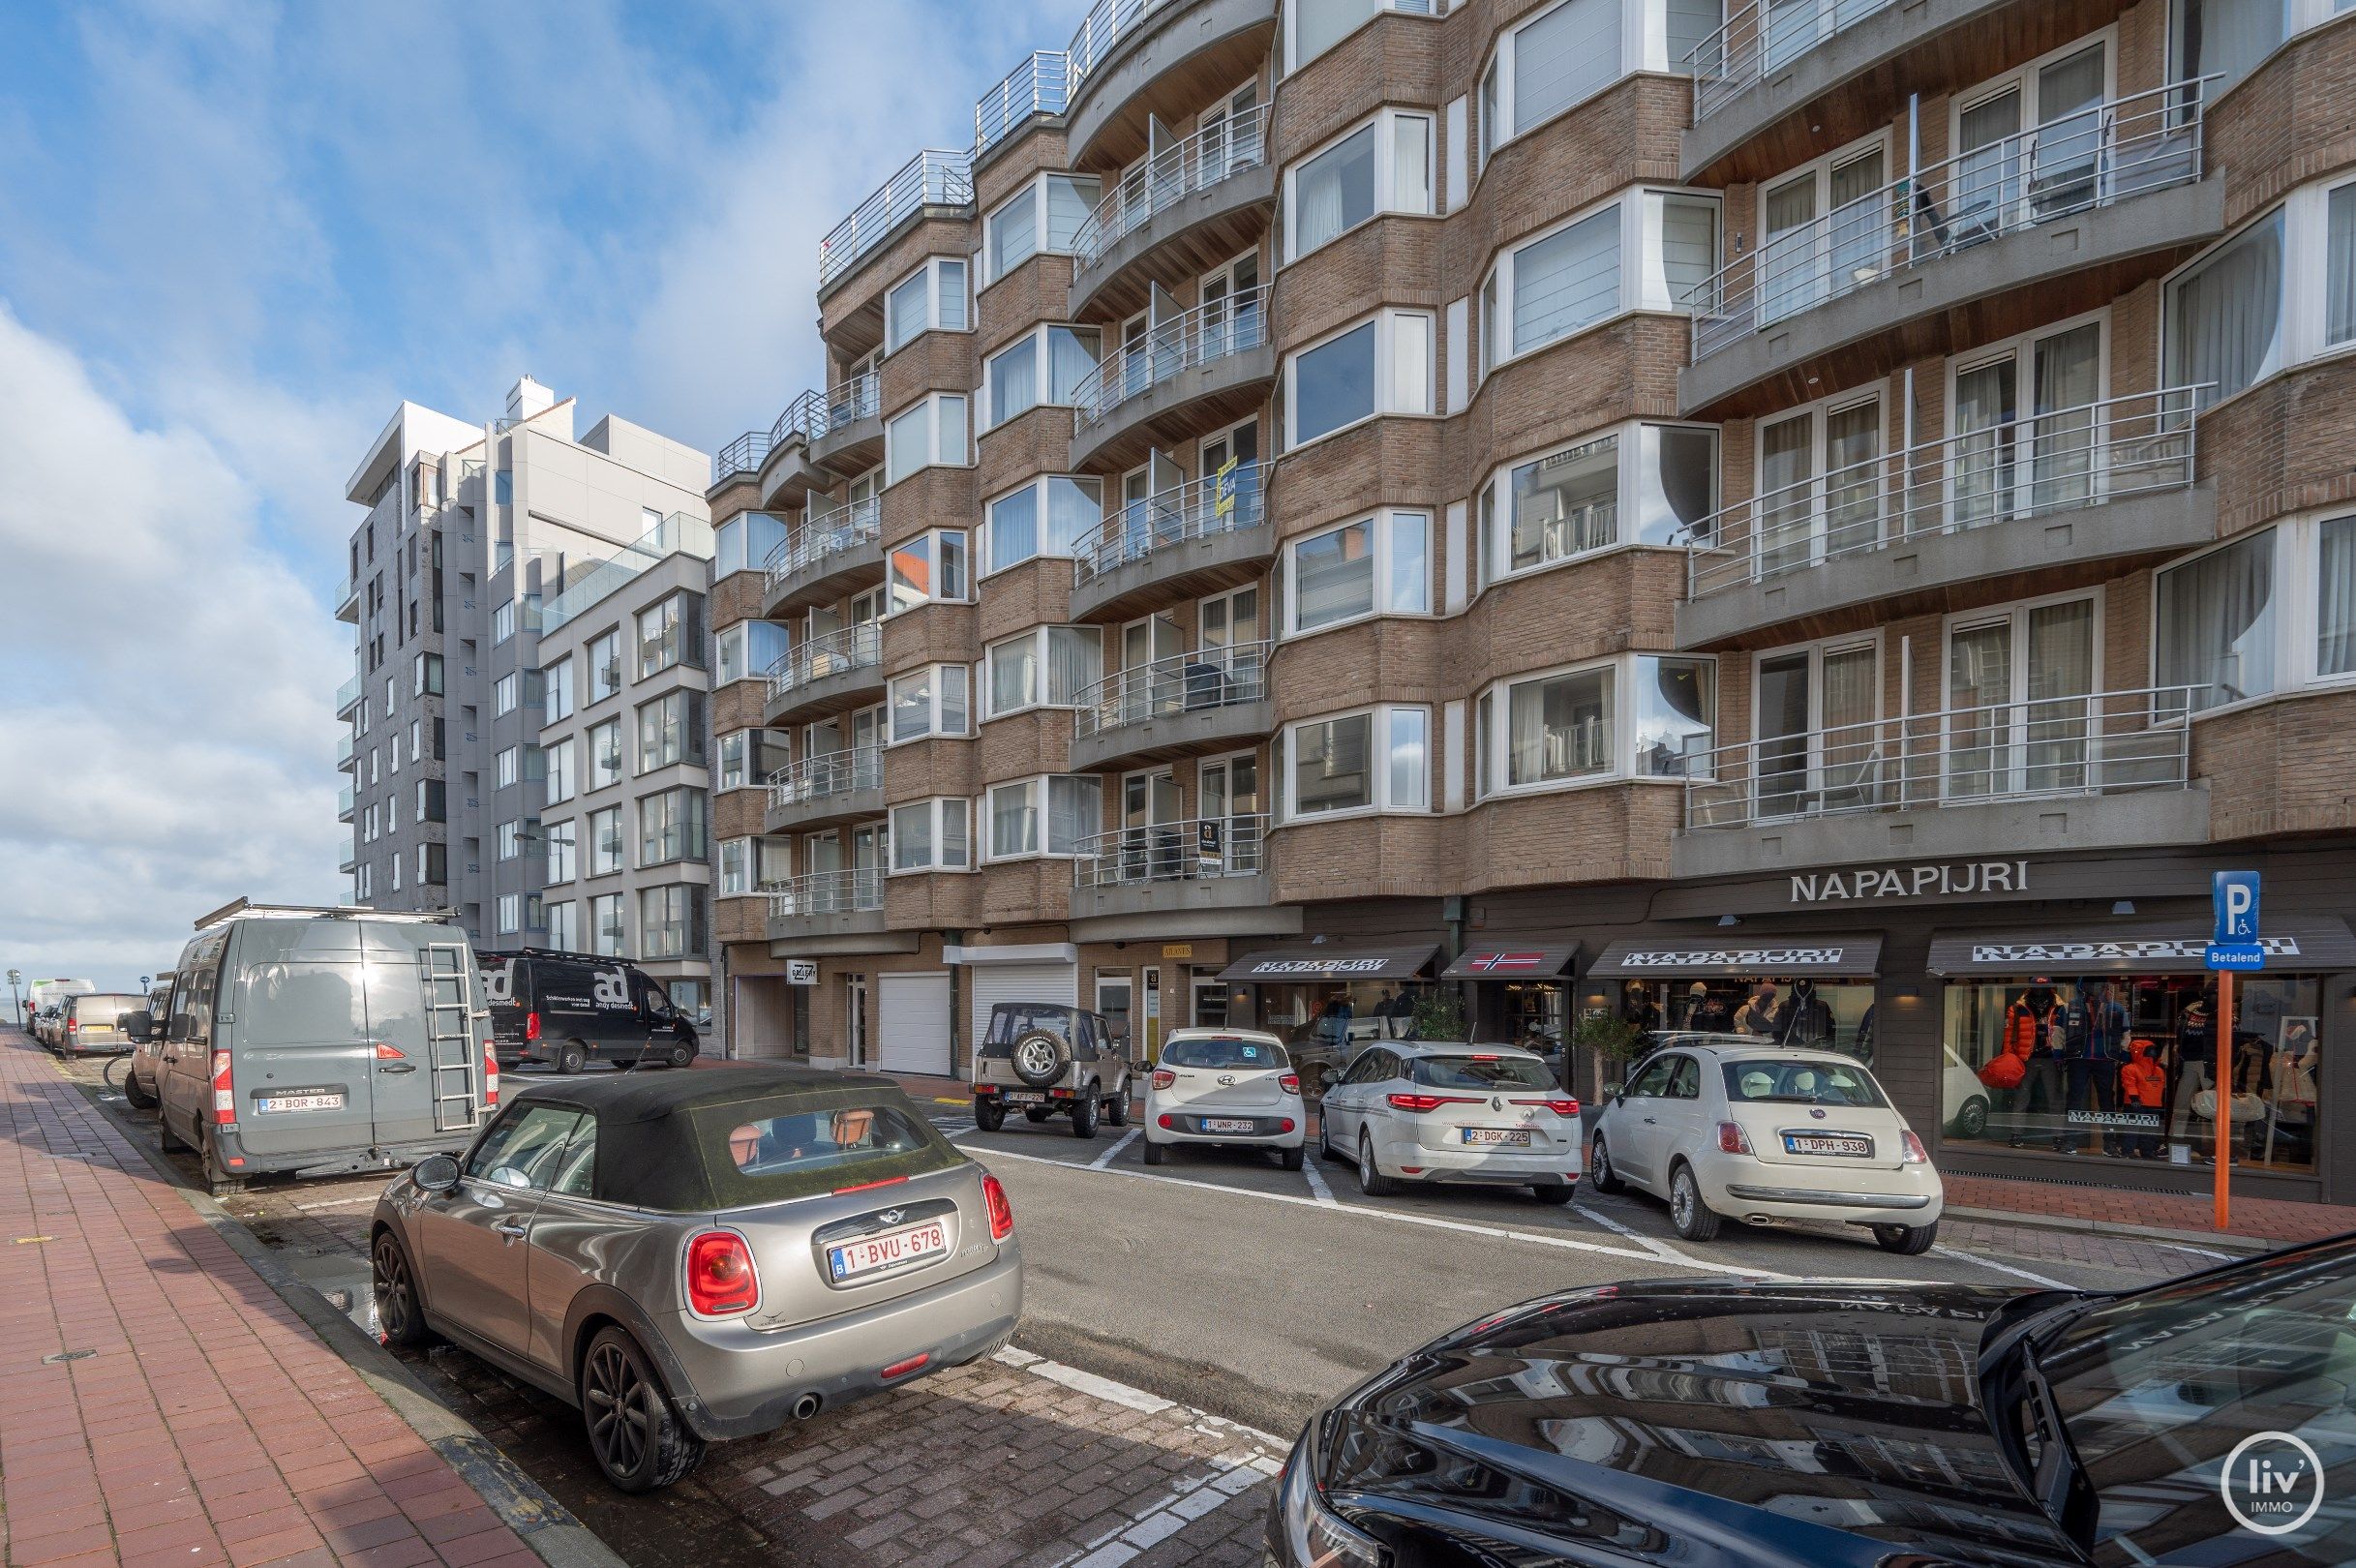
x=1508 y=959
x=2310 y=944
x=1331 y=962
x=1739 y=958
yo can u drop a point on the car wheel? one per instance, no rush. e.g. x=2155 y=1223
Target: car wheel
x=217 y=1176
x=1037 y=1114
x=990 y=1115
x=635 y=1433
x=1156 y=1153
x=681 y=1054
x=1695 y=1220
x=394 y=1283
x=171 y=1141
x=1600 y=1174
x=141 y=1099
x=1325 y=1142
x=1556 y=1193
x=572 y=1056
x=1289 y=1159
x=1083 y=1117
x=1371 y=1179
x=1972 y=1120
x=1116 y=1108
x=1907 y=1241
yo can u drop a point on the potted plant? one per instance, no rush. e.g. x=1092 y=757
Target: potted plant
x=1609 y=1037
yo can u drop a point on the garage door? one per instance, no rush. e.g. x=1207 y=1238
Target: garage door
x=912 y=1024
x=994 y=983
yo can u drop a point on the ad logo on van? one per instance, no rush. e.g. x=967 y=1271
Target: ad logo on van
x=497 y=985
x=613 y=988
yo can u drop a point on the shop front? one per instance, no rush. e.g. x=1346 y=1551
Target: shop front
x=1810 y=990
x=1325 y=999
x=1519 y=991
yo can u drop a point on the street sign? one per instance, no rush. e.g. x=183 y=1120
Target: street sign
x=2235 y=898
x=2235 y=956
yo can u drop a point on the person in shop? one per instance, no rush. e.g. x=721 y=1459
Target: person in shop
x=2093 y=1039
x=1395 y=1010
x=1757 y=1014
x=2297 y=1072
x=1636 y=1004
x=1707 y=1010
x=1333 y=1022
x=2143 y=1088
x=2031 y=1030
x=2195 y=1055
x=1804 y=1018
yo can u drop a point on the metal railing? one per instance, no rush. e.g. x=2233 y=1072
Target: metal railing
x=932 y=178
x=815 y=415
x=1199 y=509
x=743 y=455
x=824 y=534
x=2093 y=743
x=1196 y=164
x=1194 y=850
x=1193 y=683
x=347 y=694
x=1106 y=21
x=2031 y=466
x=1763 y=36
x=2098 y=155
x=1230 y=324
x=826 y=892
x=1037 y=86
x=837 y=653
x=824 y=776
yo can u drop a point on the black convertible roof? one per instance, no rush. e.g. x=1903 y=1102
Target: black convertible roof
x=649 y=1097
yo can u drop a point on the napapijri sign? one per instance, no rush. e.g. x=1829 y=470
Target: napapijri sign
x=1320 y=966
x=1761 y=959
x=1940 y=880
x=2157 y=949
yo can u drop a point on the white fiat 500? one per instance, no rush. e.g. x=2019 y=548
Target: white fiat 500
x=1224 y=1086
x=1758 y=1133
x=1430 y=1111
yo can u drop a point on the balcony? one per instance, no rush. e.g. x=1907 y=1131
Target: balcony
x=818 y=792
x=348 y=697
x=348 y=602
x=824 y=675
x=343 y=753
x=1203 y=876
x=1035 y=87
x=1132 y=61
x=932 y=178
x=845 y=426
x=2103 y=770
x=2061 y=498
x=1182 y=543
x=2000 y=219
x=1189 y=209
x=1213 y=696
x=343 y=803
x=824 y=558
x=1200 y=368
x=350 y=863
x=841 y=907
x=740 y=458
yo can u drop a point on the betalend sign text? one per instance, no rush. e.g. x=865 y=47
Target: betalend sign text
x=1940 y=881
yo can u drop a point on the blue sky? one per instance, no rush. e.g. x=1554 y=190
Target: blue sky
x=232 y=234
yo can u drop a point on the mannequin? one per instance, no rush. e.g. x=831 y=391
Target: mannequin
x=1805 y=1019
x=2196 y=1057
x=2093 y=1032
x=2031 y=1034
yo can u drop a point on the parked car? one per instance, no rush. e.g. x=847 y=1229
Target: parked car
x=572 y=1009
x=1224 y=1087
x=1429 y=1111
x=1723 y=1424
x=1758 y=1133
x=1963 y=1099
x=91 y=1023
x=46 y=1024
x=45 y=1002
x=320 y=1042
x=687 y=1257
x=1046 y=1059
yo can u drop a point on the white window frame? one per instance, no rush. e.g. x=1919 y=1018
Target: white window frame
x=2297 y=579
x=1043 y=376
x=1039 y=639
x=934 y=678
x=1492 y=307
x=1644 y=45
x=1384 y=123
x=731 y=882
x=1425 y=10
x=1380 y=764
x=1492 y=727
x=986 y=535
x=735 y=750
x=939 y=810
x=1034 y=191
x=1382 y=526
x=933 y=269
x=1489 y=520
x=938 y=450
x=1037 y=788
x=1385 y=322
x=932 y=540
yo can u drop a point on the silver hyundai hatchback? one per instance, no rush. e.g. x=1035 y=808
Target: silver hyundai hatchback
x=691 y=1257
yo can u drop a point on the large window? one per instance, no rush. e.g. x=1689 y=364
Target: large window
x=561 y=778
x=670 y=923
x=928 y=568
x=1573 y=726
x=929 y=300
x=1042 y=366
x=1380 y=365
x=671 y=633
x=1049 y=666
x=933 y=432
x=743 y=542
x=558 y=840
x=2225 y=315
x=1570 y=502
x=605 y=754
x=609 y=938
x=2225 y=39
x=1047 y=517
x=928 y=702
x=1565 y=55
x=671 y=731
x=671 y=827
x=605 y=665
x=1384 y=166
x=747 y=648
x=1646 y=252
x=2216 y=629
x=564 y=927
x=1051 y=815
x=605 y=841
x=932 y=835
x=1044 y=215
x=1375 y=760
x=1380 y=564
x=556 y=691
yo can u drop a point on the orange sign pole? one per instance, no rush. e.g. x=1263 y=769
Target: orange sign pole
x=2222 y=1122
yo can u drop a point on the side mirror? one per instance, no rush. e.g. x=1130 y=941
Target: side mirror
x=140 y=1025
x=436 y=1173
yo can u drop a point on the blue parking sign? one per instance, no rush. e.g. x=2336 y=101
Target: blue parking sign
x=2235 y=898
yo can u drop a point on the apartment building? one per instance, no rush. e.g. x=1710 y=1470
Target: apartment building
x=469 y=529
x=1828 y=514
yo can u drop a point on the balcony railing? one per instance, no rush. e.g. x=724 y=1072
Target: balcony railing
x=2091 y=158
x=2031 y=466
x=343 y=750
x=743 y=455
x=1037 y=86
x=1230 y=324
x=837 y=653
x=824 y=776
x=1194 y=682
x=585 y=588
x=932 y=178
x=814 y=414
x=1195 y=850
x=826 y=892
x=1764 y=35
x=829 y=533
x=2094 y=743
x=1103 y=27
x=344 y=591
x=1220 y=503
x=347 y=694
x=344 y=802
x=1199 y=162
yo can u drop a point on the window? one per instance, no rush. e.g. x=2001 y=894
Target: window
x=1053 y=205
x=931 y=836
x=1051 y=815
x=1072 y=507
x=928 y=568
x=605 y=754
x=564 y=934
x=511 y=840
x=670 y=923
x=2223 y=38
x=933 y=432
x=1375 y=760
x=433 y=864
x=510 y=913
x=556 y=691
x=736 y=867
x=2336 y=596
x=671 y=827
x=1381 y=366
x=432 y=801
x=559 y=759
x=605 y=841
x=1563 y=282
x=504 y=694
x=929 y=702
x=2225 y=315
x=1547 y=64
x=671 y=731
x=1043 y=366
x=1315 y=26
x=606 y=937
x=671 y=633
x=502 y=625
x=507 y=768
x=732 y=748
x=1569 y=502
x=2340 y=266
x=1384 y=166
x=605 y=665
x=728 y=654
x=744 y=541
x=1049 y=666
x=2216 y=624
x=929 y=300
x=558 y=840
x=1377 y=565
x=425 y=677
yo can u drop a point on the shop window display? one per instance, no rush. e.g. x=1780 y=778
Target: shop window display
x=1822 y=1014
x=2126 y=1067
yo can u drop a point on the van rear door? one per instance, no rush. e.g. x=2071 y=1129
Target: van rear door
x=303 y=1066
x=423 y=992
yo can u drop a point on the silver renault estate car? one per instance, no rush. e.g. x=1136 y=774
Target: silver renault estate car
x=691 y=1257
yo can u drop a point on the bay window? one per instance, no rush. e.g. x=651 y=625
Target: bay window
x=2215 y=625
x=1043 y=366
x=1051 y=815
x=926 y=569
x=671 y=827
x=929 y=300
x=1046 y=517
x=1646 y=250
x=670 y=921
x=1379 y=366
x=1384 y=165
x=2225 y=315
x=928 y=702
x=671 y=633
x=931 y=433
x=1571 y=502
x=1375 y=565
x=931 y=836
x=2225 y=39
x=1567 y=54
x=1049 y=666
x=1043 y=216
x=744 y=541
x=1375 y=760
x=747 y=650
x=1573 y=726
x=671 y=731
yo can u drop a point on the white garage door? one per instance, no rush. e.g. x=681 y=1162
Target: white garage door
x=994 y=983
x=912 y=1024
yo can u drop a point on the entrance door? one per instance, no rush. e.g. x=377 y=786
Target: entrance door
x=1148 y=834
x=870 y=854
x=2018 y=715
x=1791 y=278
x=1228 y=135
x=1228 y=805
x=1228 y=644
x=1149 y=656
x=854 y=1018
x=1818 y=748
x=1113 y=992
x=1230 y=472
x=1802 y=516
x=1232 y=307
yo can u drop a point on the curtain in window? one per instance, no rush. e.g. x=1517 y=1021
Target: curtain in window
x=2069 y=379
x=1565 y=281
x=1070 y=201
x=1014 y=234
x=1073 y=662
x=2058 y=719
x=2336 y=597
x=1333 y=191
x=1565 y=55
x=1410 y=163
x=2340 y=266
x=2215 y=624
x=1014 y=382
x=1013 y=675
x=1861 y=221
x=1986 y=402
x=1789 y=279
x=2224 y=319
x=1015 y=527
x=1073 y=811
x=1074 y=511
x=1014 y=821
x=2225 y=38
x=1787 y=463
x=1072 y=354
x=1688 y=248
x=1693 y=25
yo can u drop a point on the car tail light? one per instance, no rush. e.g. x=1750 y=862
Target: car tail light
x=1002 y=1213
x=1290 y=1083
x=985 y=1090
x=1561 y=1107
x=1915 y=1154
x=491 y=1076
x=1478 y=1056
x=721 y=1276
x=224 y=1093
x=1165 y=1078
x=531 y=1026
x=72 y=1026
x=1428 y=1102
x=1732 y=1139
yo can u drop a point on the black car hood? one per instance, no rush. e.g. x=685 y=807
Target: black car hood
x=1693 y=1424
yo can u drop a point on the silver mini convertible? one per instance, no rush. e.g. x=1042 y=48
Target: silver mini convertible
x=691 y=1257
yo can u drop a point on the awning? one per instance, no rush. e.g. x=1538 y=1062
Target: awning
x=2309 y=944
x=1760 y=958
x=1332 y=962
x=1512 y=960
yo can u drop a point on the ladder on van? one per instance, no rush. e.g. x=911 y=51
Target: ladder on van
x=452 y=1054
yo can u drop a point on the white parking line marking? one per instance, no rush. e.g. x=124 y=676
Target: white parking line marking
x=2001 y=1268
x=1651 y=1244
x=2196 y=1251
x=1316 y=1179
x=339 y=1203
x=1119 y=1144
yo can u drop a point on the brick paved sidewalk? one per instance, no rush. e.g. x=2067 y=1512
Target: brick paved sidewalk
x=2272 y=1221
x=200 y=1421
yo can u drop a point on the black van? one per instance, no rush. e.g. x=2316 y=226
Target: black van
x=572 y=1009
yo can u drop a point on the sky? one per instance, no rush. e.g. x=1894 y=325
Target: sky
x=234 y=234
